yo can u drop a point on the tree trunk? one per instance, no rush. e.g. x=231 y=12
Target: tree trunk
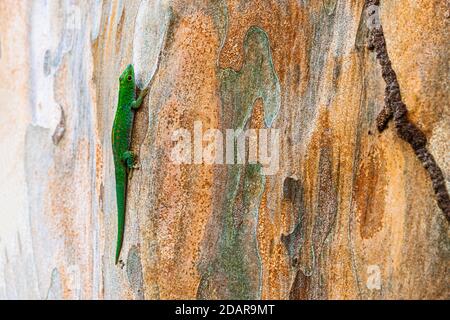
x=350 y=212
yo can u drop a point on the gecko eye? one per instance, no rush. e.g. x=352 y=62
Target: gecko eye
x=129 y=78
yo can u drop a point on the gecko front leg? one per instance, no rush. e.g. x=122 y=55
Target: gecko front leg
x=138 y=102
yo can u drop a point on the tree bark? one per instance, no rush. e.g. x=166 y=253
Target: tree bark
x=350 y=213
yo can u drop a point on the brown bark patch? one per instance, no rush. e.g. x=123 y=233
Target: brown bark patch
x=369 y=195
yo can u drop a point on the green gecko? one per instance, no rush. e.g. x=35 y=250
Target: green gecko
x=124 y=159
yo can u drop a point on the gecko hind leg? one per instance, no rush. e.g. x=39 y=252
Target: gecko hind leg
x=129 y=158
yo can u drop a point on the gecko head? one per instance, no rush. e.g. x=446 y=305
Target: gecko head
x=127 y=77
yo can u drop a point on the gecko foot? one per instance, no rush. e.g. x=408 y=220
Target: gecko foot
x=129 y=159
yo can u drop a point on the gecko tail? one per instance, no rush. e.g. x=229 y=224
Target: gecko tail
x=119 y=236
x=118 y=249
x=120 y=190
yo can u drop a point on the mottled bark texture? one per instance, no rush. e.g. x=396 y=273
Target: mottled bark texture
x=350 y=213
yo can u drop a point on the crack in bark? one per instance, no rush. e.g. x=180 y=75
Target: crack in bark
x=396 y=109
x=60 y=128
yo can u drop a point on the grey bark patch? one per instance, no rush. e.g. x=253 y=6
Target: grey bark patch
x=307 y=244
x=293 y=242
x=55 y=291
x=152 y=25
x=38 y=160
x=219 y=12
x=330 y=6
x=47 y=62
x=134 y=272
x=318 y=53
x=256 y=79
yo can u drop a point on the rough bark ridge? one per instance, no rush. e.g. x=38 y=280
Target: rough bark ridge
x=394 y=107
